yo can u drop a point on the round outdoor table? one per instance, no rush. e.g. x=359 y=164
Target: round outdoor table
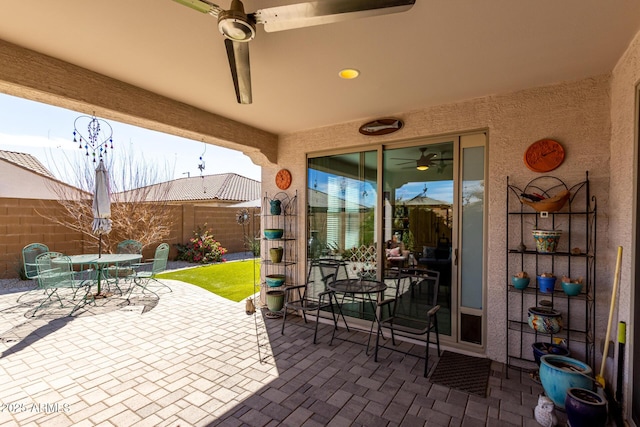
x=103 y=260
x=364 y=288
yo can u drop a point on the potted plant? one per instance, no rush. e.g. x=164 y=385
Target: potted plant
x=546 y=282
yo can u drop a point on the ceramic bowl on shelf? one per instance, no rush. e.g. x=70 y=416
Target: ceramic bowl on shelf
x=275 y=280
x=572 y=289
x=273 y=233
x=520 y=282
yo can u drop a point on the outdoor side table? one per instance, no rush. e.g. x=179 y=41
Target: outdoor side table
x=364 y=289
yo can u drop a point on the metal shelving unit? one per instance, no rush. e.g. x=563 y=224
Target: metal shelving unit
x=287 y=221
x=575 y=257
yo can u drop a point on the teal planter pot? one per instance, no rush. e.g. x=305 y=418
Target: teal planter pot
x=560 y=373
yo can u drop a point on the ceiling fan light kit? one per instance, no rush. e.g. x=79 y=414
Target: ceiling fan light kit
x=239 y=27
x=235 y=25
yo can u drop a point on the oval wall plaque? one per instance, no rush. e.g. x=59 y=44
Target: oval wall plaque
x=381 y=127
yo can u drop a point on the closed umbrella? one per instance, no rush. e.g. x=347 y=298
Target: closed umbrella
x=101 y=205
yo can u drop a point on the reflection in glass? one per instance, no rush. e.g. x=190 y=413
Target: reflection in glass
x=342 y=194
x=418 y=215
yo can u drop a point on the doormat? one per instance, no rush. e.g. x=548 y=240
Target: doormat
x=465 y=373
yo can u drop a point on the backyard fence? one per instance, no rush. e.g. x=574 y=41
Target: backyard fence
x=21 y=224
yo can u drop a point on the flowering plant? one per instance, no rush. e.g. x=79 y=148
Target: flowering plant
x=202 y=248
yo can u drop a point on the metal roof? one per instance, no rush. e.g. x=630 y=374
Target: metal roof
x=225 y=186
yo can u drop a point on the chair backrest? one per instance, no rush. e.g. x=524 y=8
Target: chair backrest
x=418 y=293
x=29 y=254
x=54 y=270
x=328 y=270
x=160 y=259
x=129 y=247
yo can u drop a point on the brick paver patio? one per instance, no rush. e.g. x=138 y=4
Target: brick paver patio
x=192 y=359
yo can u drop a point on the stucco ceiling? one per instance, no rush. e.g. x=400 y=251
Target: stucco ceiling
x=440 y=51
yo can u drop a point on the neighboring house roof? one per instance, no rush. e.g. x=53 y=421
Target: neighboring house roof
x=225 y=186
x=22 y=176
x=26 y=161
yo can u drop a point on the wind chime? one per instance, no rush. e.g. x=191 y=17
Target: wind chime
x=93 y=143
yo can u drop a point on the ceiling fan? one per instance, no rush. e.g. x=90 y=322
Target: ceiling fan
x=238 y=27
x=426 y=160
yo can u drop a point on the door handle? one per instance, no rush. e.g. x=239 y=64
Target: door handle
x=455 y=257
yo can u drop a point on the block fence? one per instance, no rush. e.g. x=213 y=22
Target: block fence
x=21 y=224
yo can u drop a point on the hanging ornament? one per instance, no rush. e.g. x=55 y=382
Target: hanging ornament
x=95 y=141
x=201 y=164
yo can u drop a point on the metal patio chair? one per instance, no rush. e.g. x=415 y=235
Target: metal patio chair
x=301 y=299
x=411 y=314
x=55 y=272
x=29 y=254
x=157 y=264
x=29 y=267
x=128 y=246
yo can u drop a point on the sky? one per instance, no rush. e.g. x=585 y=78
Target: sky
x=46 y=132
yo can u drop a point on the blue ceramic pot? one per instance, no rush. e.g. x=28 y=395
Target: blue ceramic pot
x=546 y=284
x=585 y=408
x=275 y=280
x=273 y=233
x=560 y=373
x=543 y=348
x=275 y=207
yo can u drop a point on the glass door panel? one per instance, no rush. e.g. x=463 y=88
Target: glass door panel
x=341 y=215
x=418 y=223
x=472 y=220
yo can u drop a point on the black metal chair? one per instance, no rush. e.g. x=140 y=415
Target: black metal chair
x=412 y=313
x=301 y=299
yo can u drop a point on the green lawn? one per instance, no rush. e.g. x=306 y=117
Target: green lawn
x=231 y=280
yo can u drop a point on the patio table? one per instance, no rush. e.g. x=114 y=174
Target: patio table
x=102 y=261
x=362 y=288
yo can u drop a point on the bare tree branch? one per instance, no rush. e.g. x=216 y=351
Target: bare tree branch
x=139 y=209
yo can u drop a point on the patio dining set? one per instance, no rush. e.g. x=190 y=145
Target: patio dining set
x=71 y=279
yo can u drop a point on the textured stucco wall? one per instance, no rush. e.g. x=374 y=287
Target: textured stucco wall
x=574 y=113
x=624 y=81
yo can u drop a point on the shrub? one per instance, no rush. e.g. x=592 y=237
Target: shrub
x=202 y=248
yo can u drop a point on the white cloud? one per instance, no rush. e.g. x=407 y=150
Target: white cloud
x=35 y=141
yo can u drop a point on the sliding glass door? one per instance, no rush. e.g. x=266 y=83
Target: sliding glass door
x=416 y=205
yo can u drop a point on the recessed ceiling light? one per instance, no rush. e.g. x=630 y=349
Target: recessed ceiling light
x=349 y=73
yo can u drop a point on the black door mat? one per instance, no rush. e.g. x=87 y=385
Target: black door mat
x=465 y=373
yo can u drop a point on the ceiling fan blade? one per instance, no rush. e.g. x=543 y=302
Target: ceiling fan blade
x=325 y=12
x=238 y=54
x=203 y=6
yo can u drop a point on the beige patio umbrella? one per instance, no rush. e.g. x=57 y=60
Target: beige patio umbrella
x=101 y=205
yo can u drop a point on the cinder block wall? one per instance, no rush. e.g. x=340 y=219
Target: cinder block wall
x=20 y=224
